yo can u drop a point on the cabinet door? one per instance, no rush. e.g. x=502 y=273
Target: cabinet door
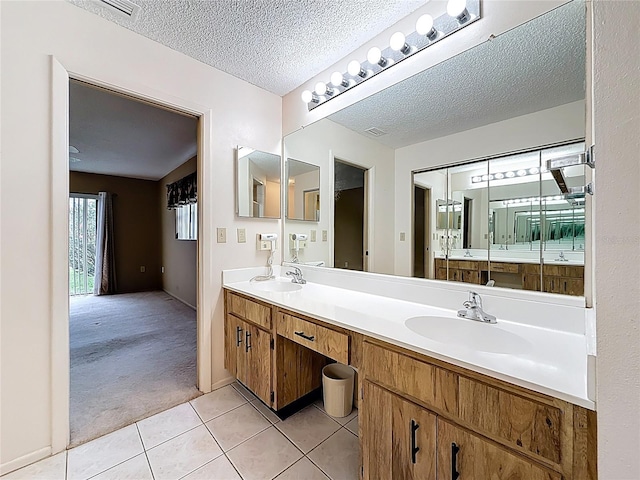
x=233 y=339
x=464 y=456
x=258 y=362
x=398 y=437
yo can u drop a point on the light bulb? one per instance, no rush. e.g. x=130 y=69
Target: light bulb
x=321 y=88
x=337 y=79
x=476 y=179
x=458 y=10
x=397 y=43
x=424 y=26
x=499 y=176
x=485 y=178
x=510 y=174
x=533 y=170
x=355 y=69
x=306 y=96
x=374 y=57
x=522 y=173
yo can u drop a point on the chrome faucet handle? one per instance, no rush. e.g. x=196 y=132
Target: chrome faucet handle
x=475 y=298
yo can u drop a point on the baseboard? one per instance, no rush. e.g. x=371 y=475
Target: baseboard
x=223 y=383
x=179 y=299
x=25 y=460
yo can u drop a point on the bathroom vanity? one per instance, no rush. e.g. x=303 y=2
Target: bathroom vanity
x=428 y=409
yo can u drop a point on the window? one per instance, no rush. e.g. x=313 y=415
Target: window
x=187 y=222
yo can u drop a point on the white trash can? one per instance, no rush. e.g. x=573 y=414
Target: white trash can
x=337 y=389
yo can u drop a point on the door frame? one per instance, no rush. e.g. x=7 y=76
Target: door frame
x=59 y=219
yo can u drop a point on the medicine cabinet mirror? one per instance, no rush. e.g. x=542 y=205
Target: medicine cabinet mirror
x=303 y=191
x=437 y=149
x=258 y=183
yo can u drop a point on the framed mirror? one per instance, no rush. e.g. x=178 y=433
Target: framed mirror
x=258 y=183
x=303 y=191
x=423 y=140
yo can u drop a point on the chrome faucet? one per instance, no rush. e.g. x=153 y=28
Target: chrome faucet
x=473 y=310
x=296 y=273
x=561 y=257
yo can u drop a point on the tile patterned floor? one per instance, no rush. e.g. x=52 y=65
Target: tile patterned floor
x=227 y=434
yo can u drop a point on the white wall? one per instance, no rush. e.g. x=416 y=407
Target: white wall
x=617 y=260
x=553 y=125
x=318 y=144
x=95 y=48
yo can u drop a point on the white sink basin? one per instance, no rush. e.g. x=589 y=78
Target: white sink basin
x=469 y=334
x=277 y=286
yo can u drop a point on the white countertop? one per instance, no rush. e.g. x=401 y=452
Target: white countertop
x=552 y=362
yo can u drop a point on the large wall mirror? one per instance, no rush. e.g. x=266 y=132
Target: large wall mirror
x=258 y=183
x=454 y=165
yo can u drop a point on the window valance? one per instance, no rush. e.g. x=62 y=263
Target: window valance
x=182 y=192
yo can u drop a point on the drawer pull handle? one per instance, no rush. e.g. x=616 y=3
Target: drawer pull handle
x=414 y=449
x=247 y=343
x=306 y=337
x=454 y=461
x=238 y=336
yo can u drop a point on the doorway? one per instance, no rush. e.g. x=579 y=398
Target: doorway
x=349 y=214
x=421 y=232
x=133 y=258
x=466 y=228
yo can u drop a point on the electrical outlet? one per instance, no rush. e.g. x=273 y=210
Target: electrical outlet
x=143 y=269
x=222 y=235
x=402 y=236
x=313 y=235
x=324 y=235
x=242 y=235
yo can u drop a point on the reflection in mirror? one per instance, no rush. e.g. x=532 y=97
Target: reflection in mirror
x=258 y=183
x=303 y=191
x=513 y=96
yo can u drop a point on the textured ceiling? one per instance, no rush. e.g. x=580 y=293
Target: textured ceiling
x=535 y=66
x=119 y=136
x=274 y=44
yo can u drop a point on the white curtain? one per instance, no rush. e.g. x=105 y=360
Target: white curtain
x=105 y=279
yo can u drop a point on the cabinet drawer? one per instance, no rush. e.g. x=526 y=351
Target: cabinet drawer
x=505 y=267
x=323 y=340
x=249 y=310
x=525 y=423
x=427 y=383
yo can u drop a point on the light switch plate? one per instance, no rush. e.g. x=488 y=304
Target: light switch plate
x=313 y=235
x=242 y=235
x=143 y=269
x=221 y=235
x=402 y=236
x=324 y=235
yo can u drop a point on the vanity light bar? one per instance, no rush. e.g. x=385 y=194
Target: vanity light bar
x=461 y=13
x=519 y=173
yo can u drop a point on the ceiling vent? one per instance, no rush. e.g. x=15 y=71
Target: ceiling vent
x=124 y=7
x=376 y=132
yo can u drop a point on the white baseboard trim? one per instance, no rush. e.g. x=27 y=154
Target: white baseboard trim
x=179 y=299
x=25 y=460
x=223 y=383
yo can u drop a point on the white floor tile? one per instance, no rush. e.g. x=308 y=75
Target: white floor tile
x=168 y=424
x=103 y=453
x=338 y=456
x=266 y=411
x=246 y=393
x=303 y=469
x=219 y=469
x=217 y=402
x=51 y=468
x=352 y=426
x=264 y=456
x=136 y=468
x=236 y=426
x=308 y=428
x=340 y=420
x=183 y=454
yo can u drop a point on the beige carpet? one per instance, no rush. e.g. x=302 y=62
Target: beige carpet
x=132 y=355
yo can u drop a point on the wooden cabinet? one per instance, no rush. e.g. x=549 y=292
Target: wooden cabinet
x=326 y=341
x=502 y=431
x=248 y=346
x=398 y=437
x=464 y=455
